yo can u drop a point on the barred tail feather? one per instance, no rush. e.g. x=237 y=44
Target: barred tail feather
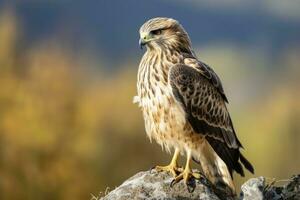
x=219 y=175
x=216 y=170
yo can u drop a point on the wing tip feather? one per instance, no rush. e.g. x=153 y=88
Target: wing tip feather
x=246 y=164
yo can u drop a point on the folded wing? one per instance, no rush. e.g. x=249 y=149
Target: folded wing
x=199 y=91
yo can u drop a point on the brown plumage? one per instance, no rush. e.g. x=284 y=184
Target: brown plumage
x=184 y=105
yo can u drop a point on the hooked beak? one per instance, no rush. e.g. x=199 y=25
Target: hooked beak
x=142 y=43
x=144 y=39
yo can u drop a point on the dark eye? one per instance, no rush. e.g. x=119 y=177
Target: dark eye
x=156 y=32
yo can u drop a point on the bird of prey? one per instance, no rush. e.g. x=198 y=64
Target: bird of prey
x=184 y=106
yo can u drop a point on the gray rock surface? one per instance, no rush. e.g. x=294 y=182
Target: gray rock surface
x=154 y=185
x=253 y=189
x=258 y=189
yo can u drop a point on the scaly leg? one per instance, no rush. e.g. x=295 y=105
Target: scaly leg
x=173 y=166
x=187 y=173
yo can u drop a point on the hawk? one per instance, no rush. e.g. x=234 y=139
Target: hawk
x=184 y=106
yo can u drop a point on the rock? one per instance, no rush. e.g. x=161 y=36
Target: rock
x=258 y=189
x=154 y=185
x=253 y=189
x=290 y=191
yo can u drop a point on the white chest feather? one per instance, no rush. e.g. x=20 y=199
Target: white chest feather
x=164 y=117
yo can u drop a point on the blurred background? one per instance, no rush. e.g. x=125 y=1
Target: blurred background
x=68 y=128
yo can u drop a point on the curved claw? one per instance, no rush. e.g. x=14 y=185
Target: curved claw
x=191 y=188
x=189 y=178
x=151 y=169
x=191 y=183
x=172 y=183
x=177 y=179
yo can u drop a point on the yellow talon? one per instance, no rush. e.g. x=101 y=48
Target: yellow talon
x=172 y=167
x=187 y=173
x=169 y=168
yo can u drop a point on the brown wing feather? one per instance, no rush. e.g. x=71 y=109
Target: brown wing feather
x=208 y=73
x=202 y=98
x=203 y=103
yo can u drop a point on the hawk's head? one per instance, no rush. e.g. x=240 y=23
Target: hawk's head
x=164 y=32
